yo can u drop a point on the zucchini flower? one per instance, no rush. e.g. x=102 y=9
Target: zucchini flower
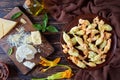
x=59 y=75
x=45 y=62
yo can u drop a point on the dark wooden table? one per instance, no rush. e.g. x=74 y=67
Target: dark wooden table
x=5 y=7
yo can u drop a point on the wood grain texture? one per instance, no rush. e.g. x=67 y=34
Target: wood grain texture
x=45 y=47
x=53 y=38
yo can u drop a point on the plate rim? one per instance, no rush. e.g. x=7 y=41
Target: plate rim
x=114 y=38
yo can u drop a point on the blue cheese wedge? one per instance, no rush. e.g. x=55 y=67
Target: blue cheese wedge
x=19 y=38
x=36 y=37
x=6 y=26
x=29 y=64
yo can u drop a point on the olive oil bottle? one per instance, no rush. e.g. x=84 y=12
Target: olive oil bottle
x=34 y=7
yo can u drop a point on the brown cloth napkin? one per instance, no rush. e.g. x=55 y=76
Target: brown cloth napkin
x=66 y=10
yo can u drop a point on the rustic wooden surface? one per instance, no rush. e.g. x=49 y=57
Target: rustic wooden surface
x=46 y=48
x=5 y=7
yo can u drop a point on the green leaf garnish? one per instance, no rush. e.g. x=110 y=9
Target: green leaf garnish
x=51 y=29
x=45 y=20
x=37 y=26
x=16 y=15
x=10 y=51
x=43 y=26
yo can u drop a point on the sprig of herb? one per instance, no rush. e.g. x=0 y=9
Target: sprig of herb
x=16 y=15
x=10 y=51
x=45 y=20
x=51 y=29
x=44 y=25
x=37 y=27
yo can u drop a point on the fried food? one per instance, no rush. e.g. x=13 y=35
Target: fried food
x=67 y=39
x=92 y=39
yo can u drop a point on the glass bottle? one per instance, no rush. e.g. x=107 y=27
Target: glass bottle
x=34 y=7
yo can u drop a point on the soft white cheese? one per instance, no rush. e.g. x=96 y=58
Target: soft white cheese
x=29 y=64
x=25 y=52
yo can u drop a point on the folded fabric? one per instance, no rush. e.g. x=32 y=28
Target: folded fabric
x=67 y=10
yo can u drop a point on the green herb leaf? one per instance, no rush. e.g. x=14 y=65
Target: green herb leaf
x=16 y=15
x=37 y=26
x=52 y=29
x=10 y=50
x=45 y=21
x=43 y=27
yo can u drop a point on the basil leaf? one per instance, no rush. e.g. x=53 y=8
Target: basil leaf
x=51 y=29
x=37 y=26
x=10 y=51
x=45 y=21
x=43 y=28
x=16 y=15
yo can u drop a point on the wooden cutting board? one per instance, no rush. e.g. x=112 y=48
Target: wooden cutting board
x=45 y=47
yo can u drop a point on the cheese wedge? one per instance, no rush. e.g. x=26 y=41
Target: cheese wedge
x=6 y=26
x=1 y=31
x=36 y=37
x=22 y=20
x=29 y=64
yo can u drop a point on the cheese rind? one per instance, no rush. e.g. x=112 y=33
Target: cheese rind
x=6 y=26
x=36 y=37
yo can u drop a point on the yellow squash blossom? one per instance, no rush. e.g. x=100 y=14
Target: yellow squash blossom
x=45 y=62
x=67 y=74
x=59 y=75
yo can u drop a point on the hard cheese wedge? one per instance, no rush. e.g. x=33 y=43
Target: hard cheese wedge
x=6 y=26
x=36 y=37
x=1 y=31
